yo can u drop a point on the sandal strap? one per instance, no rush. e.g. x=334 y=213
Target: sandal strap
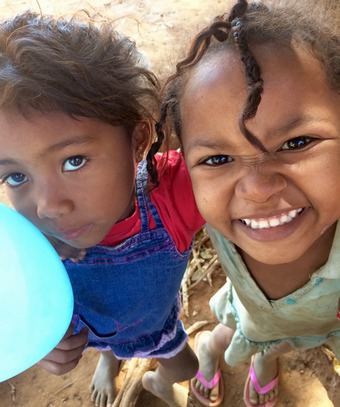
x=211 y=383
x=265 y=389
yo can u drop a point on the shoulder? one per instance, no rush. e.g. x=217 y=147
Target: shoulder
x=174 y=197
x=172 y=169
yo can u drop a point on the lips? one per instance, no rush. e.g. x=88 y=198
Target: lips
x=71 y=234
x=272 y=221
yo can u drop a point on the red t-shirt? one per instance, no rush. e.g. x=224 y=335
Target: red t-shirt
x=175 y=204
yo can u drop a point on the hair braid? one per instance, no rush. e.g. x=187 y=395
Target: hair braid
x=151 y=163
x=259 y=24
x=219 y=29
x=252 y=71
x=238 y=10
x=233 y=29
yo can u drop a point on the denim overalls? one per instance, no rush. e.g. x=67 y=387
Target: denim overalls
x=128 y=295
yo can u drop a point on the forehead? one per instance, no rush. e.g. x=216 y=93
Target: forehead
x=294 y=83
x=279 y=65
x=39 y=134
x=210 y=87
x=223 y=69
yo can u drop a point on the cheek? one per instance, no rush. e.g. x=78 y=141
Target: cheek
x=323 y=181
x=20 y=205
x=207 y=203
x=25 y=209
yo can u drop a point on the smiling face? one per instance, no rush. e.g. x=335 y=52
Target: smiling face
x=274 y=206
x=74 y=179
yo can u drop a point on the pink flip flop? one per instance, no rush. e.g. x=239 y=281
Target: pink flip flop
x=217 y=379
x=260 y=390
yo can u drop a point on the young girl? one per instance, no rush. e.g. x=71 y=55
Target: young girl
x=76 y=106
x=256 y=106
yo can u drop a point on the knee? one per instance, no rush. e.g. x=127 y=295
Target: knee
x=221 y=337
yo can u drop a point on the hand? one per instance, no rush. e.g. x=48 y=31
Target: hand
x=66 y=355
x=66 y=251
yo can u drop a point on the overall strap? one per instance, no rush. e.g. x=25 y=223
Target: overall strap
x=144 y=201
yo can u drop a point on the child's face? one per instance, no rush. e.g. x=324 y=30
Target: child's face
x=74 y=179
x=273 y=206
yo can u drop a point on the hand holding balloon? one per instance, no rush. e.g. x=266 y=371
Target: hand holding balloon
x=65 y=251
x=66 y=355
x=36 y=299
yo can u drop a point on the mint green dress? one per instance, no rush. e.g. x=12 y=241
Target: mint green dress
x=305 y=318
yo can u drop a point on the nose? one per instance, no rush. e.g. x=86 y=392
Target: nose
x=52 y=201
x=260 y=184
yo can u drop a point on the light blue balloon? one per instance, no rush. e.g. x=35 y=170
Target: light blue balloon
x=36 y=299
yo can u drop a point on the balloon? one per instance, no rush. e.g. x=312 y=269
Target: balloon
x=36 y=299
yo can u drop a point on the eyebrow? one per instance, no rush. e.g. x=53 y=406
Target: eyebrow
x=286 y=128
x=7 y=161
x=78 y=140
x=206 y=143
x=297 y=122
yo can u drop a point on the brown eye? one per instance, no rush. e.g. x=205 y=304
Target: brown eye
x=297 y=143
x=217 y=160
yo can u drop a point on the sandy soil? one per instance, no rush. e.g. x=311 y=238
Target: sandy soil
x=161 y=29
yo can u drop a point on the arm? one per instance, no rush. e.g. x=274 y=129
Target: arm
x=66 y=355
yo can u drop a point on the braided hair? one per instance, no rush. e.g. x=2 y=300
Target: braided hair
x=223 y=29
x=244 y=26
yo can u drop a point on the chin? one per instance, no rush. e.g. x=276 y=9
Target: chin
x=273 y=259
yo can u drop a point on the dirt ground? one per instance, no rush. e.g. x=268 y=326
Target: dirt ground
x=161 y=30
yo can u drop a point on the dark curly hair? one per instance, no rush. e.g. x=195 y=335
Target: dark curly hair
x=287 y=24
x=77 y=67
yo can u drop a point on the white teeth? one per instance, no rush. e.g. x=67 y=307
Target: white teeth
x=285 y=218
x=247 y=221
x=263 y=224
x=266 y=223
x=274 y=222
x=254 y=224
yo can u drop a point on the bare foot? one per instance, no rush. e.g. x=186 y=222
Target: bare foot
x=173 y=395
x=266 y=369
x=103 y=382
x=208 y=366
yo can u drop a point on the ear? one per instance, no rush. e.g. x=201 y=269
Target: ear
x=141 y=139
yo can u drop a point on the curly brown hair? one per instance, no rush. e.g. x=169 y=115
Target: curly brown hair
x=74 y=66
x=288 y=23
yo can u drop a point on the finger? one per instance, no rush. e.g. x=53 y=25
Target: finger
x=64 y=356
x=59 y=368
x=69 y=332
x=74 y=341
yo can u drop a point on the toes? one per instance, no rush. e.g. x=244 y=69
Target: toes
x=93 y=394
x=101 y=400
x=276 y=391
x=211 y=395
x=264 y=398
x=254 y=400
x=198 y=387
x=205 y=392
x=109 y=402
